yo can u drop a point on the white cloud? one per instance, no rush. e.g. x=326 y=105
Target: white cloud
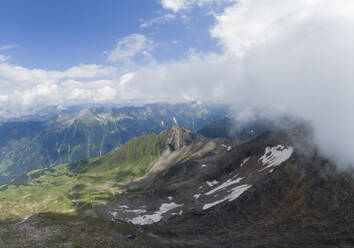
x=105 y=94
x=68 y=92
x=7 y=47
x=4 y=98
x=88 y=71
x=176 y=5
x=179 y=5
x=3 y=58
x=158 y=20
x=24 y=91
x=198 y=77
x=25 y=76
x=129 y=47
x=246 y=24
x=27 y=101
x=126 y=78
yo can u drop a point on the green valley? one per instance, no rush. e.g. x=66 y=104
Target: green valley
x=77 y=186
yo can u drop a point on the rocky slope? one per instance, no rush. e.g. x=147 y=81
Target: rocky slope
x=67 y=231
x=263 y=193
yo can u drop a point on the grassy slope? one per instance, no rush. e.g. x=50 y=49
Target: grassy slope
x=65 y=187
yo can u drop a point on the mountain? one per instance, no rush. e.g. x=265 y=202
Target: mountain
x=44 y=114
x=78 y=133
x=58 y=230
x=61 y=204
x=182 y=189
x=263 y=193
x=76 y=186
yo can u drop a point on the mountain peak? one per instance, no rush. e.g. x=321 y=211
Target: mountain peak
x=178 y=137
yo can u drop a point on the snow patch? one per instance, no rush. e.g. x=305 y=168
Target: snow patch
x=136 y=211
x=224 y=185
x=204 y=165
x=276 y=155
x=234 y=194
x=157 y=216
x=244 y=161
x=123 y=206
x=228 y=148
x=170 y=198
x=209 y=205
x=196 y=196
x=179 y=213
x=114 y=214
x=237 y=191
x=212 y=183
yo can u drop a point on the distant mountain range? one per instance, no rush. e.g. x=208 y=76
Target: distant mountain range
x=231 y=128
x=61 y=135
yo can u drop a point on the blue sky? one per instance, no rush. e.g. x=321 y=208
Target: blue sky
x=55 y=35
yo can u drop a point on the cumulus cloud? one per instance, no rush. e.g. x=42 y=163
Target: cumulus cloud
x=28 y=90
x=68 y=92
x=129 y=47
